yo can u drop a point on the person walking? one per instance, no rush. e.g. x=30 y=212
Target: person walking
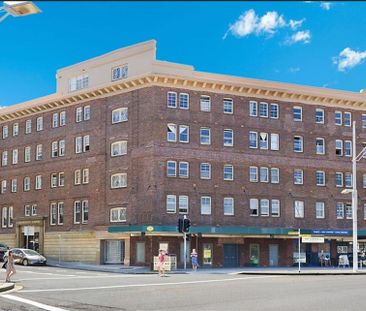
x=10 y=269
x=162 y=260
x=194 y=258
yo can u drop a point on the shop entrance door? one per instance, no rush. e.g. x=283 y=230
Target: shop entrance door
x=231 y=255
x=113 y=251
x=273 y=255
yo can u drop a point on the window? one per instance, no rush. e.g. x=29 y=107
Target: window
x=86 y=143
x=53 y=214
x=228 y=138
x=364 y=211
x=320 y=146
x=253 y=108
x=28 y=126
x=274 y=111
x=61 y=148
x=119 y=115
x=14 y=185
x=364 y=181
x=5 y=131
x=39 y=152
x=84 y=211
x=228 y=172
x=54 y=149
x=339 y=210
x=172 y=100
x=119 y=180
x=298 y=144
x=205 y=205
x=264 y=207
x=15 y=129
x=4 y=217
x=61 y=179
x=363 y=119
x=297 y=113
x=348 y=208
x=275 y=208
x=347 y=119
x=228 y=206
x=348 y=180
x=39 y=124
x=34 y=209
x=299 y=209
x=253 y=140
x=263 y=110
x=171 y=168
x=54 y=180
x=27 y=154
x=263 y=140
x=184 y=133
x=319 y=210
x=339 y=179
x=82 y=144
x=228 y=106
x=4 y=158
x=183 y=101
x=253 y=205
x=275 y=175
x=171 y=203
x=38 y=182
x=275 y=141
x=62 y=118
x=78 y=83
x=183 y=204
x=320 y=178
x=15 y=156
x=10 y=217
x=60 y=213
x=119 y=148
x=338 y=118
x=26 y=183
x=253 y=174
x=85 y=176
x=263 y=174
x=171 y=132
x=183 y=169
x=205 y=171
x=339 y=147
x=298 y=177
x=205 y=136
x=27 y=210
x=55 y=120
x=3 y=186
x=79 y=114
x=77 y=177
x=86 y=113
x=120 y=72
x=348 y=148
x=205 y=103
x=118 y=214
x=319 y=116
x=77 y=212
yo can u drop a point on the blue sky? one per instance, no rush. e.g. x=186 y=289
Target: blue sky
x=312 y=43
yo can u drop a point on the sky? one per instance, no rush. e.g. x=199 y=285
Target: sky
x=320 y=44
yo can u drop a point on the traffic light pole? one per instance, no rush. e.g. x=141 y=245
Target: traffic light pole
x=185 y=247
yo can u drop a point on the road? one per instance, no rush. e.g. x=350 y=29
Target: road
x=55 y=289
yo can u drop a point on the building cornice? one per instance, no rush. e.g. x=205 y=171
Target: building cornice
x=256 y=89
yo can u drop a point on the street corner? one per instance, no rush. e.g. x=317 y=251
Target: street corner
x=6 y=287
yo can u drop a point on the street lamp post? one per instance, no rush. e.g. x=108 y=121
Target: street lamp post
x=355 y=159
x=18 y=8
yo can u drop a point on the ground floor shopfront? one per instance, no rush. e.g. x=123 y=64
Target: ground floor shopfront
x=253 y=247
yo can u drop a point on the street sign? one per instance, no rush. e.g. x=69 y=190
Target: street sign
x=28 y=230
x=313 y=239
x=149 y=228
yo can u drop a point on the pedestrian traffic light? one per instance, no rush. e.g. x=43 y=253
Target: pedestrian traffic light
x=188 y=237
x=180 y=225
x=186 y=224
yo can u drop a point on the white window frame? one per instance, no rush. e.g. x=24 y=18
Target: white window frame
x=317 y=146
x=170 y=167
x=119 y=148
x=118 y=214
x=254 y=207
x=209 y=170
x=274 y=113
x=205 y=205
x=319 y=210
x=300 y=140
x=297 y=113
x=205 y=103
x=229 y=166
x=319 y=119
x=171 y=204
x=184 y=98
x=171 y=131
x=118 y=180
x=263 y=110
x=229 y=206
x=228 y=106
x=253 y=108
x=207 y=138
x=338 y=118
x=171 y=99
x=299 y=209
x=120 y=115
x=228 y=141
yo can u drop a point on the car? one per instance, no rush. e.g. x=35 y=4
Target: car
x=3 y=249
x=25 y=257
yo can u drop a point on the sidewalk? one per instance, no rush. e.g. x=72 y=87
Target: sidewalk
x=6 y=286
x=238 y=270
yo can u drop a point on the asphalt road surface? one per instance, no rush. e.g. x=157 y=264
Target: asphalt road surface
x=55 y=289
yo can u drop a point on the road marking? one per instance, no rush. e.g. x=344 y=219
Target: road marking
x=45 y=273
x=77 y=277
x=33 y=303
x=146 y=284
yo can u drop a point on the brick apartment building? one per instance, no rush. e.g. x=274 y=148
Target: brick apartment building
x=101 y=170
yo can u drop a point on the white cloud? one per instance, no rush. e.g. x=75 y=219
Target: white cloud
x=300 y=36
x=294 y=69
x=326 y=5
x=296 y=24
x=349 y=58
x=250 y=23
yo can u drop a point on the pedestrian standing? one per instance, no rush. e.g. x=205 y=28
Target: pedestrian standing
x=194 y=258
x=10 y=269
x=162 y=260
